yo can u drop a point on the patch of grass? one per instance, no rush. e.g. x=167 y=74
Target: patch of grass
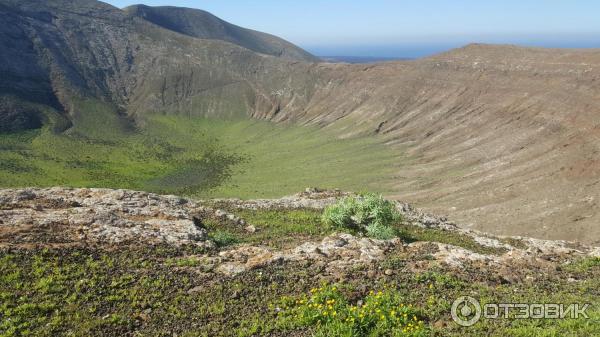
x=192 y=156
x=414 y=233
x=584 y=265
x=432 y=277
x=275 y=228
x=281 y=160
x=224 y=238
x=182 y=262
x=368 y=213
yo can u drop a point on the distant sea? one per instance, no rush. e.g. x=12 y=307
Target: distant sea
x=410 y=51
x=361 y=59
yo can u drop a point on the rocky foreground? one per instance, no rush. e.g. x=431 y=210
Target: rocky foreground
x=99 y=262
x=103 y=218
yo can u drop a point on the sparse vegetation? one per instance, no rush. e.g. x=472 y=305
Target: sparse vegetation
x=414 y=233
x=274 y=227
x=164 y=291
x=585 y=265
x=328 y=310
x=182 y=262
x=224 y=238
x=367 y=213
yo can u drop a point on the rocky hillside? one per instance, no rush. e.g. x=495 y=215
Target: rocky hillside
x=139 y=263
x=501 y=138
x=58 y=217
x=203 y=25
x=63 y=56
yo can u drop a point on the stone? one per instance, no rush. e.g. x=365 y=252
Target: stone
x=231 y=269
x=103 y=216
x=335 y=252
x=456 y=256
x=194 y=290
x=311 y=190
x=143 y=316
x=489 y=242
x=439 y=324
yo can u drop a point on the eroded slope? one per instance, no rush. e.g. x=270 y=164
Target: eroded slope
x=503 y=137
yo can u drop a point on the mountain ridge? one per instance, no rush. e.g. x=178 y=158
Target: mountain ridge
x=201 y=24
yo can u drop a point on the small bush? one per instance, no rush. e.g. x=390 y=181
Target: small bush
x=224 y=238
x=368 y=213
x=380 y=313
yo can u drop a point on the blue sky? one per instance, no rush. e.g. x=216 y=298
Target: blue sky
x=408 y=28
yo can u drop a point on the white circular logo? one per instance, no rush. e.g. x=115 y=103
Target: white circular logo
x=466 y=311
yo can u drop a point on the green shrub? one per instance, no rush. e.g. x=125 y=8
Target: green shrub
x=368 y=213
x=224 y=238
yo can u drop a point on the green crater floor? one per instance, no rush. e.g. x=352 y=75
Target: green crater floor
x=195 y=156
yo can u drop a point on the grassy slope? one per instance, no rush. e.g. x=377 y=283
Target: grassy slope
x=200 y=157
x=280 y=160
